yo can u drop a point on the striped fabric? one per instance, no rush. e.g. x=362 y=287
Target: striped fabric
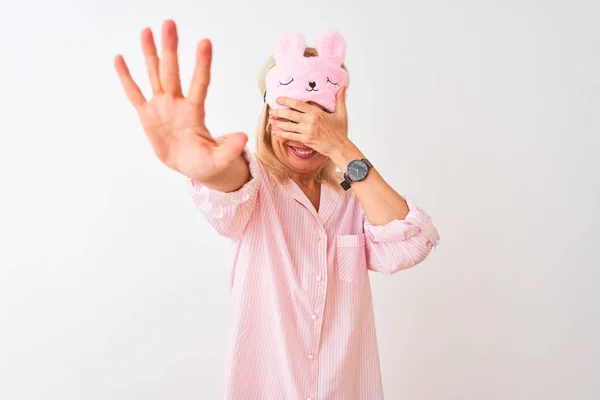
x=302 y=324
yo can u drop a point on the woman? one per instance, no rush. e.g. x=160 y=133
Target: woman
x=305 y=237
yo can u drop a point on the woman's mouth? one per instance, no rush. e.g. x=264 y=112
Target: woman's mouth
x=303 y=152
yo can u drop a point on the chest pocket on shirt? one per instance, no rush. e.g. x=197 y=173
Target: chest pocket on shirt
x=351 y=258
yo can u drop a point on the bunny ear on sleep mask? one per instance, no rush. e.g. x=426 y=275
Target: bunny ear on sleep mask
x=314 y=79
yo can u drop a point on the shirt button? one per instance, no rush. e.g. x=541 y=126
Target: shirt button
x=318 y=278
x=314 y=316
x=310 y=356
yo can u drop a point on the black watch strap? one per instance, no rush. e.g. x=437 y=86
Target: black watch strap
x=346 y=182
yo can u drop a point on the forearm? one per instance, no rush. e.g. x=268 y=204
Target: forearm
x=229 y=209
x=232 y=178
x=381 y=203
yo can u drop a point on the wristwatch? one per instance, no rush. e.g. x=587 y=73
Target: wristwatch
x=356 y=171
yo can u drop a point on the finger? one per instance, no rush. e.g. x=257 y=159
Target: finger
x=287 y=126
x=340 y=98
x=169 y=66
x=289 y=135
x=294 y=104
x=151 y=58
x=201 y=77
x=288 y=114
x=230 y=147
x=133 y=92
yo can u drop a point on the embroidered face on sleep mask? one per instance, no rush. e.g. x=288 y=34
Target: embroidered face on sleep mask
x=314 y=79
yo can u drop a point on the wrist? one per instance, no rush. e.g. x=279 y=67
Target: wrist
x=344 y=154
x=230 y=179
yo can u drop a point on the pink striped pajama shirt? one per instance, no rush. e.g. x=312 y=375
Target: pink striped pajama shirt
x=302 y=324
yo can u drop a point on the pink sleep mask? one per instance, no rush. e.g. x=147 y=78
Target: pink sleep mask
x=314 y=79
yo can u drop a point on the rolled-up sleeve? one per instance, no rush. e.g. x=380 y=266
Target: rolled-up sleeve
x=229 y=212
x=400 y=244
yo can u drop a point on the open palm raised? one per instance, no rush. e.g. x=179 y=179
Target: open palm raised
x=173 y=123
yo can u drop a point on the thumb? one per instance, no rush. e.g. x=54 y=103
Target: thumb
x=230 y=147
x=340 y=103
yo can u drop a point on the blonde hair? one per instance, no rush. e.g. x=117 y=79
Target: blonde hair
x=326 y=173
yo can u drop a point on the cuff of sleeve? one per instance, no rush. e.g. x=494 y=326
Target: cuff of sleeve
x=204 y=194
x=397 y=230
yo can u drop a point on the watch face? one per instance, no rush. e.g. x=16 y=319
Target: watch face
x=357 y=170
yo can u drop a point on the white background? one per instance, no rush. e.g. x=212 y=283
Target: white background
x=112 y=286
